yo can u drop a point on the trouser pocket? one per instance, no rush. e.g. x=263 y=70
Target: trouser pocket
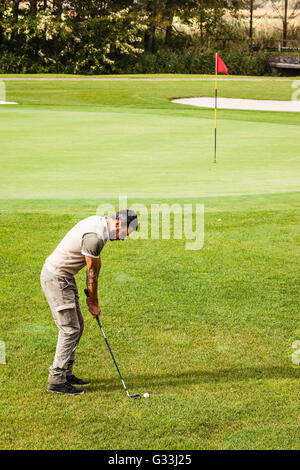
x=66 y=314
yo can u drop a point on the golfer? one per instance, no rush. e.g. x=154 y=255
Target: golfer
x=80 y=247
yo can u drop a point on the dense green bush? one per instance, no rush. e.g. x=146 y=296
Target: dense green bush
x=45 y=42
x=239 y=62
x=92 y=37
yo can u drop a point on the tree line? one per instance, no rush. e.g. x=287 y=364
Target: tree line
x=95 y=36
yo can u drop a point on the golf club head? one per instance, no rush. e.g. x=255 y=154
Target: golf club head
x=135 y=397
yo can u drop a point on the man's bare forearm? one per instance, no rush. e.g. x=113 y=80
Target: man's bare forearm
x=92 y=283
x=92 y=274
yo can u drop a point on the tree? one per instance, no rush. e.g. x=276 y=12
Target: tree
x=58 y=7
x=33 y=7
x=160 y=15
x=150 y=8
x=169 y=16
x=209 y=14
x=251 y=20
x=15 y=10
x=285 y=22
x=3 y=7
x=289 y=10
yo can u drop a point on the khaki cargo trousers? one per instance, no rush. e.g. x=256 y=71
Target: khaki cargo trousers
x=62 y=296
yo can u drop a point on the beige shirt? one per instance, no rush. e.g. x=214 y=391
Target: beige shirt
x=86 y=238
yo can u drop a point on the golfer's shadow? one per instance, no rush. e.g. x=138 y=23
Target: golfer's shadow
x=197 y=377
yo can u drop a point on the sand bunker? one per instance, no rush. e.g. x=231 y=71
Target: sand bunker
x=230 y=103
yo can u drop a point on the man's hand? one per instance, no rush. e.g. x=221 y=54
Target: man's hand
x=94 y=307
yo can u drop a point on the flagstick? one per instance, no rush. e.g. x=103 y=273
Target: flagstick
x=216 y=107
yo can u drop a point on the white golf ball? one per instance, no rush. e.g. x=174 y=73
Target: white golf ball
x=146 y=395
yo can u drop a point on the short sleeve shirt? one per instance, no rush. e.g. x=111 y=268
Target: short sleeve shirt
x=92 y=245
x=87 y=238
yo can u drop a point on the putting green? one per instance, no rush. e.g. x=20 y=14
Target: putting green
x=58 y=153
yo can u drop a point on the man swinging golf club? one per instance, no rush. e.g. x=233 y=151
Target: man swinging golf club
x=80 y=247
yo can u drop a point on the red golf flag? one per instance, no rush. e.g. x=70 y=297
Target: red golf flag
x=220 y=65
x=220 y=68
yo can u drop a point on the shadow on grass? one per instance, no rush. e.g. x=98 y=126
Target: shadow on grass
x=199 y=376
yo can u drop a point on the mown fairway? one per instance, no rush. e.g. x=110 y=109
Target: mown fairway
x=207 y=333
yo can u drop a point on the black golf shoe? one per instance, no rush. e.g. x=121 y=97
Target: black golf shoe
x=65 y=388
x=73 y=380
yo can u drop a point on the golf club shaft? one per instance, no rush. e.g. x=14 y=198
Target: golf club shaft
x=111 y=353
x=98 y=321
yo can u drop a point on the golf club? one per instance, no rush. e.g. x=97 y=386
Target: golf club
x=135 y=396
